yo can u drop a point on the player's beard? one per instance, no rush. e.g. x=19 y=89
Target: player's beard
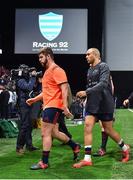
x=45 y=63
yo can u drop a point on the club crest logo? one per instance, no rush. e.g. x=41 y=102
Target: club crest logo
x=50 y=25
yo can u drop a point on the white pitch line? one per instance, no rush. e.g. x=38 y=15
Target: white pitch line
x=130 y=110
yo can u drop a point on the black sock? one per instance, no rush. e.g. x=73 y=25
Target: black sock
x=45 y=156
x=72 y=144
x=104 y=140
x=88 y=150
x=121 y=143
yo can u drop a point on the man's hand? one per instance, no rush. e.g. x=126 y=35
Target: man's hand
x=67 y=113
x=34 y=73
x=125 y=102
x=81 y=94
x=30 y=101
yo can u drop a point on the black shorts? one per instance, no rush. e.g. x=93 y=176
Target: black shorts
x=102 y=116
x=52 y=115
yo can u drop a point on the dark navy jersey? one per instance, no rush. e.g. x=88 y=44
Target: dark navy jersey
x=99 y=90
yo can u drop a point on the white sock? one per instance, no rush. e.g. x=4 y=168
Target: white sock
x=125 y=147
x=120 y=141
x=87 y=157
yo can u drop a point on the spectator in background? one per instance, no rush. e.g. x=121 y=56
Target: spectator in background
x=4 y=94
x=12 y=103
x=4 y=71
x=77 y=108
x=4 y=98
x=127 y=101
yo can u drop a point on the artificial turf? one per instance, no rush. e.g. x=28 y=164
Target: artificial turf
x=13 y=166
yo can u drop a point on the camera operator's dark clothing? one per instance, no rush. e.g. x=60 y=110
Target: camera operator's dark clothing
x=99 y=91
x=25 y=130
x=37 y=106
x=24 y=87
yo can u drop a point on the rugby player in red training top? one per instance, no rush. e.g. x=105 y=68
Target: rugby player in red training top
x=54 y=95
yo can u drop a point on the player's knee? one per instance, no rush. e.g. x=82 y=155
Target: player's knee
x=55 y=133
x=107 y=130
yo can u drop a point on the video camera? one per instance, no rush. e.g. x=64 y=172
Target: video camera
x=24 y=70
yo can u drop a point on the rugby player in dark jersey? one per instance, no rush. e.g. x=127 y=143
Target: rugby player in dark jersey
x=104 y=136
x=99 y=105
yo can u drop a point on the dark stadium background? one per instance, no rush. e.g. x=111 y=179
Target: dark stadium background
x=75 y=65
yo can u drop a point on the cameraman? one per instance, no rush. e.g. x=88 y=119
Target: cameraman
x=24 y=86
